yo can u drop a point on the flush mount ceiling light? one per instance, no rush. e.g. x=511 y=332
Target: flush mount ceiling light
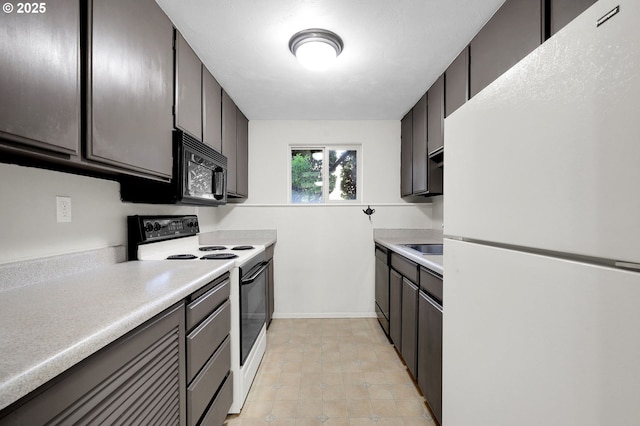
x=315 y=48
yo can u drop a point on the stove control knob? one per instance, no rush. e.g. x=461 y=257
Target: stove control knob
x=156 y=226
x=148 y=227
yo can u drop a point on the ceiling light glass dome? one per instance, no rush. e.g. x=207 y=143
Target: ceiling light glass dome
x=315 y=48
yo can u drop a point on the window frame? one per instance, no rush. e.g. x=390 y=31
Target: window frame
x=325 y=148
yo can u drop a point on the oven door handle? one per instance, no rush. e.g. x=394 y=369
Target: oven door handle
x=253 y=275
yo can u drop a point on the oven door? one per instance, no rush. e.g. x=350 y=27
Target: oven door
x=253 y=312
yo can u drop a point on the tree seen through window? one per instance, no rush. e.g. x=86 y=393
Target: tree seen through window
x=307 y=175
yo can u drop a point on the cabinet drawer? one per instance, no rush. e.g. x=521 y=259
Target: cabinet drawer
x=431 y=283
x=205 y=385
x=381 y=253
x=220 y=407
x=201 y=307
x=406 y=267
x=206 y=337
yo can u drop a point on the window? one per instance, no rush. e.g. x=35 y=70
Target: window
x=324 y=174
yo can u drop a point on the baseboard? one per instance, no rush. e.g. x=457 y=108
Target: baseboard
x=325 y=315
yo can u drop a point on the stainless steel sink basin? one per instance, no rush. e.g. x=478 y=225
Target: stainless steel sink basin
x=425 y=248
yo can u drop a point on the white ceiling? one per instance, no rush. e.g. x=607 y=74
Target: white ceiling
x=393 y=51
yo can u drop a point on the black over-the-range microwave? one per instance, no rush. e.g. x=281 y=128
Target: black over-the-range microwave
x=199 y=177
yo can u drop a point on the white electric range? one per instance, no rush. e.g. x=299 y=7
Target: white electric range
x=175 y=239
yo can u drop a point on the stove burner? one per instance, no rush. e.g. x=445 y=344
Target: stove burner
x=242 y=248
x=218 y=256
x=182 y=257
x=212 y=248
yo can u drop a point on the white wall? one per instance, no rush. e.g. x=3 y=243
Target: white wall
x=324 y=255
x=28 y=213
x=324 y=261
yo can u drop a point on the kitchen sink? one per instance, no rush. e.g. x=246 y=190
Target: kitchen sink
x=425 y=248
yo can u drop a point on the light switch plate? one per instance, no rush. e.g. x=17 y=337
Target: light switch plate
x=63 y=209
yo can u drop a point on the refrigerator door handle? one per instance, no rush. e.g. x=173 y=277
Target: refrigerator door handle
x=628 y=265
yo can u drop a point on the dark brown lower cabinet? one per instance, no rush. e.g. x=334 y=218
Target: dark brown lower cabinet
x=270 y=287
x=395 y=308
x=209 y=353
x=430 y=352
x=138 y=379
x=172 y=370
x=409 y=346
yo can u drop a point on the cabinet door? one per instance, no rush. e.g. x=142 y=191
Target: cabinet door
x=138 y=379
x=211 y=111
x=430 y=352
x=511 y=34
x=131 y=86
x=229 y=135
x=419 y=147
x=406 y=165
x=40 y=77
x=188 y=107
x=395 y=308
x=456 y=83
x=242 y=154
x=270 y=293
x=561 y=12
x=435 y=116
x=409 y=347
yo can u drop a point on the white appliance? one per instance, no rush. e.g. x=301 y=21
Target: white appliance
x=245 y=355
x=542 y=234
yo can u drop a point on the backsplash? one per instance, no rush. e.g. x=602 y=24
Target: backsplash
x=28 y=211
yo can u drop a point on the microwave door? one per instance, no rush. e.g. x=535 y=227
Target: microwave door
x=199 y=178
x=202 y=174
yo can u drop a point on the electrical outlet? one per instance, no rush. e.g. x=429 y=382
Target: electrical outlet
x=63 y=209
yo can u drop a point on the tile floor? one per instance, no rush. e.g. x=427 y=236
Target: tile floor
x=330 y=372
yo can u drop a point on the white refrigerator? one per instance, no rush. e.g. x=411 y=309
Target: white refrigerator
x=542 y=234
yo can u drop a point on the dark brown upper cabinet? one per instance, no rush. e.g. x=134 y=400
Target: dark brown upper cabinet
x=435 y=118
x=235 y=146
x=456 y=83
x=188 y=89
x=419 y=174
x=211 y=111
x=229 y=140
x=130 y=87
x=511 y=34
x=242 y=154
x=40 y=79
x=419 y=147
x=406 y=146
x=561 y=12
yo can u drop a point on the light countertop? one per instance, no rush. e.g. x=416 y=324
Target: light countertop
x=50 y=326
x=394 y=238
x=262 y=237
